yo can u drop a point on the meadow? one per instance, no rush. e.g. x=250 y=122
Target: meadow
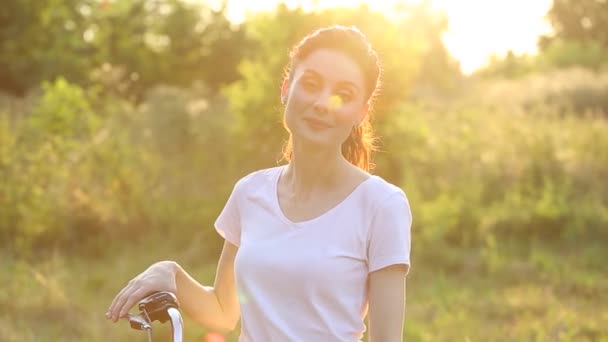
x=124 y=126
x=510 y=208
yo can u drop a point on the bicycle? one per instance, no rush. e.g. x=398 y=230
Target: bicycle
x=159 y=306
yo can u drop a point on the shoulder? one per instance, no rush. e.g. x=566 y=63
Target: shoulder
x=381 y=199
x=381 y=191
x=257 y=179
x=390 y=213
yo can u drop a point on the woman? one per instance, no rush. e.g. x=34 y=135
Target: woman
x=313 y=246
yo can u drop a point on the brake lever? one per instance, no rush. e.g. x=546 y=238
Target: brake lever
x=138 y=322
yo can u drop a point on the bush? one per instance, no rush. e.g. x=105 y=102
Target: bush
x=83 y=170
x=563 y=54
x=566 y=91
x=39 y=157
x=472 y=174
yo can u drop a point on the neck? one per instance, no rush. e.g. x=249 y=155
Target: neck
x=315 y=169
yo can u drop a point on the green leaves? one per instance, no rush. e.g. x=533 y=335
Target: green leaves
x=64 y=110
x=477 y=172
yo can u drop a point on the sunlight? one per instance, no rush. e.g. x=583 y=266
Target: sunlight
x=477 y=28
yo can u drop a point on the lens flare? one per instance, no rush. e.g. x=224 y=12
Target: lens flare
x=243 y=297
x=214 y=337
x=335 y=102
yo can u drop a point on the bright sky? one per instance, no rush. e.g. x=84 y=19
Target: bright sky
x=477 y=28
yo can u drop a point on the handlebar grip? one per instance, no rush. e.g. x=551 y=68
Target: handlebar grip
x=155 y=306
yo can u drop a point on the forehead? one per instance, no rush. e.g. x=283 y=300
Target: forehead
x=333 y=66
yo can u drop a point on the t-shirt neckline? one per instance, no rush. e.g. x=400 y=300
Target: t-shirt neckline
x=328 y=212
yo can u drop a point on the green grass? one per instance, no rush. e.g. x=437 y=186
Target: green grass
x=533 y=293
x=512 y=292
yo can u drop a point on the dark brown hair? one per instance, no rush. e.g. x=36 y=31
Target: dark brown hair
x=361 y=143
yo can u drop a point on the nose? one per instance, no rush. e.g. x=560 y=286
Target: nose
x=321 y=105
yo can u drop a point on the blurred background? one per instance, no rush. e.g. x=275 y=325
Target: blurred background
x=125 y=124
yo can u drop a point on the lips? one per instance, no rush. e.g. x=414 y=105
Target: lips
x=317 y=124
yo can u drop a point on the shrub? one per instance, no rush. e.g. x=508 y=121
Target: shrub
x=83 y=170
x=471 y=174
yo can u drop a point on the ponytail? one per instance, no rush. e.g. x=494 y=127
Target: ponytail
x=360 y=145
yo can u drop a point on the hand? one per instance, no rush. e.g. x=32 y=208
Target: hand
x=158 y=277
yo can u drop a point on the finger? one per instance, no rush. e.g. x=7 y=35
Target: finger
x=133 y=298
x=117 y=298
x=120 y=299
x=125 y=303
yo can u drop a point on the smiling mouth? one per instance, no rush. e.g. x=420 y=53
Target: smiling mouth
x=317 y=124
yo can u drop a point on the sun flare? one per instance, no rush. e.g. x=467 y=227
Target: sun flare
x=477 y=28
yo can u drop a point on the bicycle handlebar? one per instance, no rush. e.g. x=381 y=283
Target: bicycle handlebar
x=159 y=306
x=177 y=324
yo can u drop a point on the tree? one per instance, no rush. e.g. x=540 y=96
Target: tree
x=167 y=41
x=578 y=20
x=40 y=40
x=579 y=38
x=128 y=46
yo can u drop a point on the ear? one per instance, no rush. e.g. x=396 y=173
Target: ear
x=284 y=91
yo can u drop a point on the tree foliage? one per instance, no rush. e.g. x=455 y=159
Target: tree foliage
x=142 y=114
x=579 y=38
x=127 y=46
x=583 y=21
x=40 y=40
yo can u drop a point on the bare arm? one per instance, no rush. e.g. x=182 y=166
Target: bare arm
x=214 y=307
x=387 y=304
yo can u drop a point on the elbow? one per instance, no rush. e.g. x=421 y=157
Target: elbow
x=222 y=323
x=229 y=324
x=224 y=326
x=229 y=319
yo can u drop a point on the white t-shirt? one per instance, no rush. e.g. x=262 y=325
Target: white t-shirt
x=307 y=281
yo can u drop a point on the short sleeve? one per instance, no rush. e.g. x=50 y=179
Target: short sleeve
x=228 y=223
x=389 y=236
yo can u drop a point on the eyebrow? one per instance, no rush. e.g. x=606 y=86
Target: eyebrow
x=317 y=74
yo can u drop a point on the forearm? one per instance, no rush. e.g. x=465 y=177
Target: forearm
x=386 y=331
x=387 y=304
x=201 y=303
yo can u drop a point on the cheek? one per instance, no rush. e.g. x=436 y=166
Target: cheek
x=347 y=116
x=290 y=114
x=343 y=118
x=297 y=101
x=296 y=106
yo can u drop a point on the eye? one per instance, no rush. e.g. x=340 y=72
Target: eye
x=310 y=83
x=345 y=96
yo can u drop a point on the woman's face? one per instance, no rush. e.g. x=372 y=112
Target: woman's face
x=325 y=99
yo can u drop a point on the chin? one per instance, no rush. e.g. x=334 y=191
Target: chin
x=321 y=139
x=314 y=140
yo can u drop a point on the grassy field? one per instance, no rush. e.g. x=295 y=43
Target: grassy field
x=519 y=165
x=518 y=291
